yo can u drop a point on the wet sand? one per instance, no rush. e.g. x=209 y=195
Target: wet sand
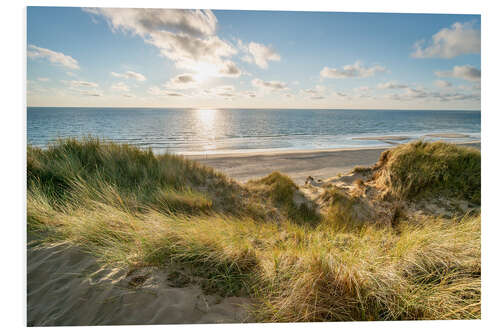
x=298 y=165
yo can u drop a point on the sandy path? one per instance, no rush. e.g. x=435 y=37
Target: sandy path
x=298 y=165
x=67 y=287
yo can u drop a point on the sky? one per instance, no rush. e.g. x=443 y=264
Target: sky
x=120 y=57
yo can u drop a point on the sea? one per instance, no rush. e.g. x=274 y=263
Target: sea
x=210 y=131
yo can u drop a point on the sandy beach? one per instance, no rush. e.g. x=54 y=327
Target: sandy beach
x=298 y=165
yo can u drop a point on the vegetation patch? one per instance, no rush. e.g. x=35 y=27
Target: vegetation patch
x=284 y=193
x=423 y=168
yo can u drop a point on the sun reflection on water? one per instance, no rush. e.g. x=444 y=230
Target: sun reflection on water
x=207 y=122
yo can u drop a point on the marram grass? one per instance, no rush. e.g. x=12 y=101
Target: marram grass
x=131 y=208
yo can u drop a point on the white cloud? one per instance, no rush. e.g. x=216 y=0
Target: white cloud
x=130 y=75
x=269 y=85
x=442 y=84
x=461 y=38
x=466 y=72
x=120 y=86
x=391 y=85
x=43 y=79
x=187 y=37
x=259 y=54
x=351 y=71
x=54 y=57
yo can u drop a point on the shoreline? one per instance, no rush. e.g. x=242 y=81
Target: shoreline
x=273 y=152
x=297 y=164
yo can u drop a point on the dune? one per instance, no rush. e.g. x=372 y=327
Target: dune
x=122 y=236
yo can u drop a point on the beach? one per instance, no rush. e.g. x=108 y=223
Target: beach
x=298 y=165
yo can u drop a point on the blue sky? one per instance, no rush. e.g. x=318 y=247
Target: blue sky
x=252 y=59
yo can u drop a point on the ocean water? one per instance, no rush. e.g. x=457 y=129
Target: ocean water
x=195 y=131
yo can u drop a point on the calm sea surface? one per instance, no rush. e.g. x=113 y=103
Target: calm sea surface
x=192 y=131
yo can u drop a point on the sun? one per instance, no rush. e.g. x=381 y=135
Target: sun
x=204 y=71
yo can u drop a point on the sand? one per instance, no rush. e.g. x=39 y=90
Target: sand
x=67 y=287
x=298 y=165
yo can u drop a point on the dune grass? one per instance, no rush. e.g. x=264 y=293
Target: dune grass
x=131 y=208
x=422 y=168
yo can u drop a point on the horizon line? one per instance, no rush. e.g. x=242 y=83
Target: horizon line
x=248 y=108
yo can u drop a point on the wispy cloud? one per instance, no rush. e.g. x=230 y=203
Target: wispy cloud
x=130 y=75
x=315 y=93
x=120 y=86
x=156 y=91
x=356 y=70
x=76 y=83
x=461 y=38
x=54 y=57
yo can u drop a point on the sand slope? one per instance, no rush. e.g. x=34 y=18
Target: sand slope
x=67 y=287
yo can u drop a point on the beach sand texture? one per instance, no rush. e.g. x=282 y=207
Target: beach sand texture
x=67 y=287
